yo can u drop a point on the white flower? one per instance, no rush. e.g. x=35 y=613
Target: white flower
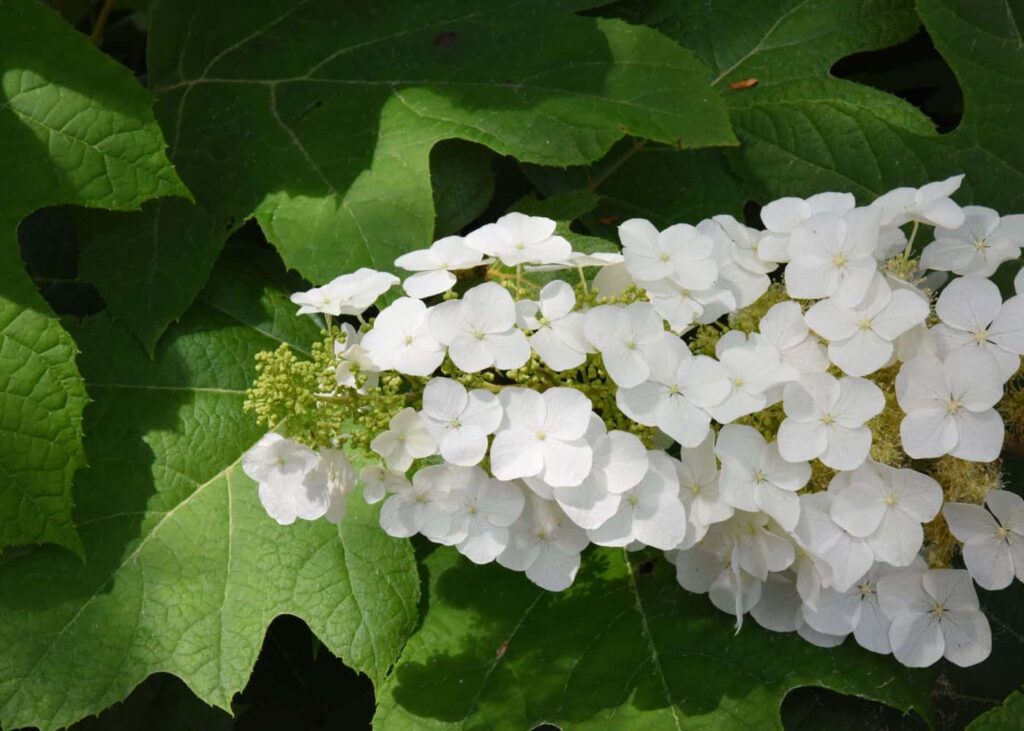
x=423 y=506
x=349 y=294
x=948 y=406
x=856 y=610
x=316 y=493
x=716 y=573
x=681 y=307
x=784 y=328
x=934 y=613
x=680 y=253
x=619 y=463
x=744 y=243
x=543 y=435
x=329 y=484
x=681 y=386
x=697 y=472
x=516 y=239
x=978 y=246
x=354 y=360
x=480 y=329
x=484 y=509
x=929 y=204
x=834 y=256
x=1018 y=282
x=434 y=266
x=545 y=544
x=781 y=216
x=741 y=272
x=378 y=481
x=886 y=506
x=612 y=280
x=861 y=338
x=825 y=419
x=974 y=315
x=406 y=439
x=755 y=549
x=751 y=371
x=847 y=557
x=557 y=332
x=755 y=477
x=401 y=339
x=993 y=542
x=622 y=334
x=277 y=459
x=649 y=512
x=460 y=421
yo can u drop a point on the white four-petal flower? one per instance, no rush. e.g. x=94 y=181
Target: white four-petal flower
x=516 y=239
x=978 y=246
x=993 y=541
x=825 y=419
x=556 y=330
x=460 y=420
x=948 y=406
x=401 y=339
x=480 y=329
x=974 y=315
x=434 y=266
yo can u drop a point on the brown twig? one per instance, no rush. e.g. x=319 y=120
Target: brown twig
x=101 y=23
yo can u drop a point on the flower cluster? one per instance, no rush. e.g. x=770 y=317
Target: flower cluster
x=797 y=416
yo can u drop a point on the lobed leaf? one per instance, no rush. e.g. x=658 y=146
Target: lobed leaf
x=623 y=648
x=75 y=127
x=319 y=118
x=184 y=570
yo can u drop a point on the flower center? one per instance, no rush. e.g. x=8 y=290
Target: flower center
x=980 y=244
x=695 y=489
x=737 y=382
x=839 y=261
x=633 y=500
x=631 y=344
x=408 y=340
x=760 y=477
x=664 y=256
x=938 y=610
x=891 y=500
x=541 y=436
x=827 y=419
x=455 y=423
x=953 y=406
x=865 y=324
x=1002 y=532
x=866 y=590
x=519 y=246
x=980 y=336
x=673 y=391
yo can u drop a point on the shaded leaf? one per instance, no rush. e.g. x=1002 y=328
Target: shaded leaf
x=623 y=648
x=148 y=265
x=184 y=570
x=75 y=127
x=462 y=176
x=318 y=117
x=1007 y=717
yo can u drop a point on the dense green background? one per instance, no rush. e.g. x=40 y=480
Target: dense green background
x=173 y=169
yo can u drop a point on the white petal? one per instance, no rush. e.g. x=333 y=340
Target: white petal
x=898 y=539
x=426 y=284
x=554 y=570
x=916 y=640
x=444 y=399
x=980 y=436
x=516 y=453
x=510 y=349
x=464 y=446
x=967 y=522
x=928 y=433
x=862 y=354
x=872 y=631
x=989 y=561
x=969 y=303
x=967 y=636
x=565 y=463
x=567 y=413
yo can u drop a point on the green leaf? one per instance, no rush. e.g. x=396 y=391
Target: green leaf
x=319 y=117
x=75 y=127
x=624 y=648
x=148 y=265
x=462 y=176
x=1007 y=717
x=184 y=570
x=659 y=183
x=803 y=131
